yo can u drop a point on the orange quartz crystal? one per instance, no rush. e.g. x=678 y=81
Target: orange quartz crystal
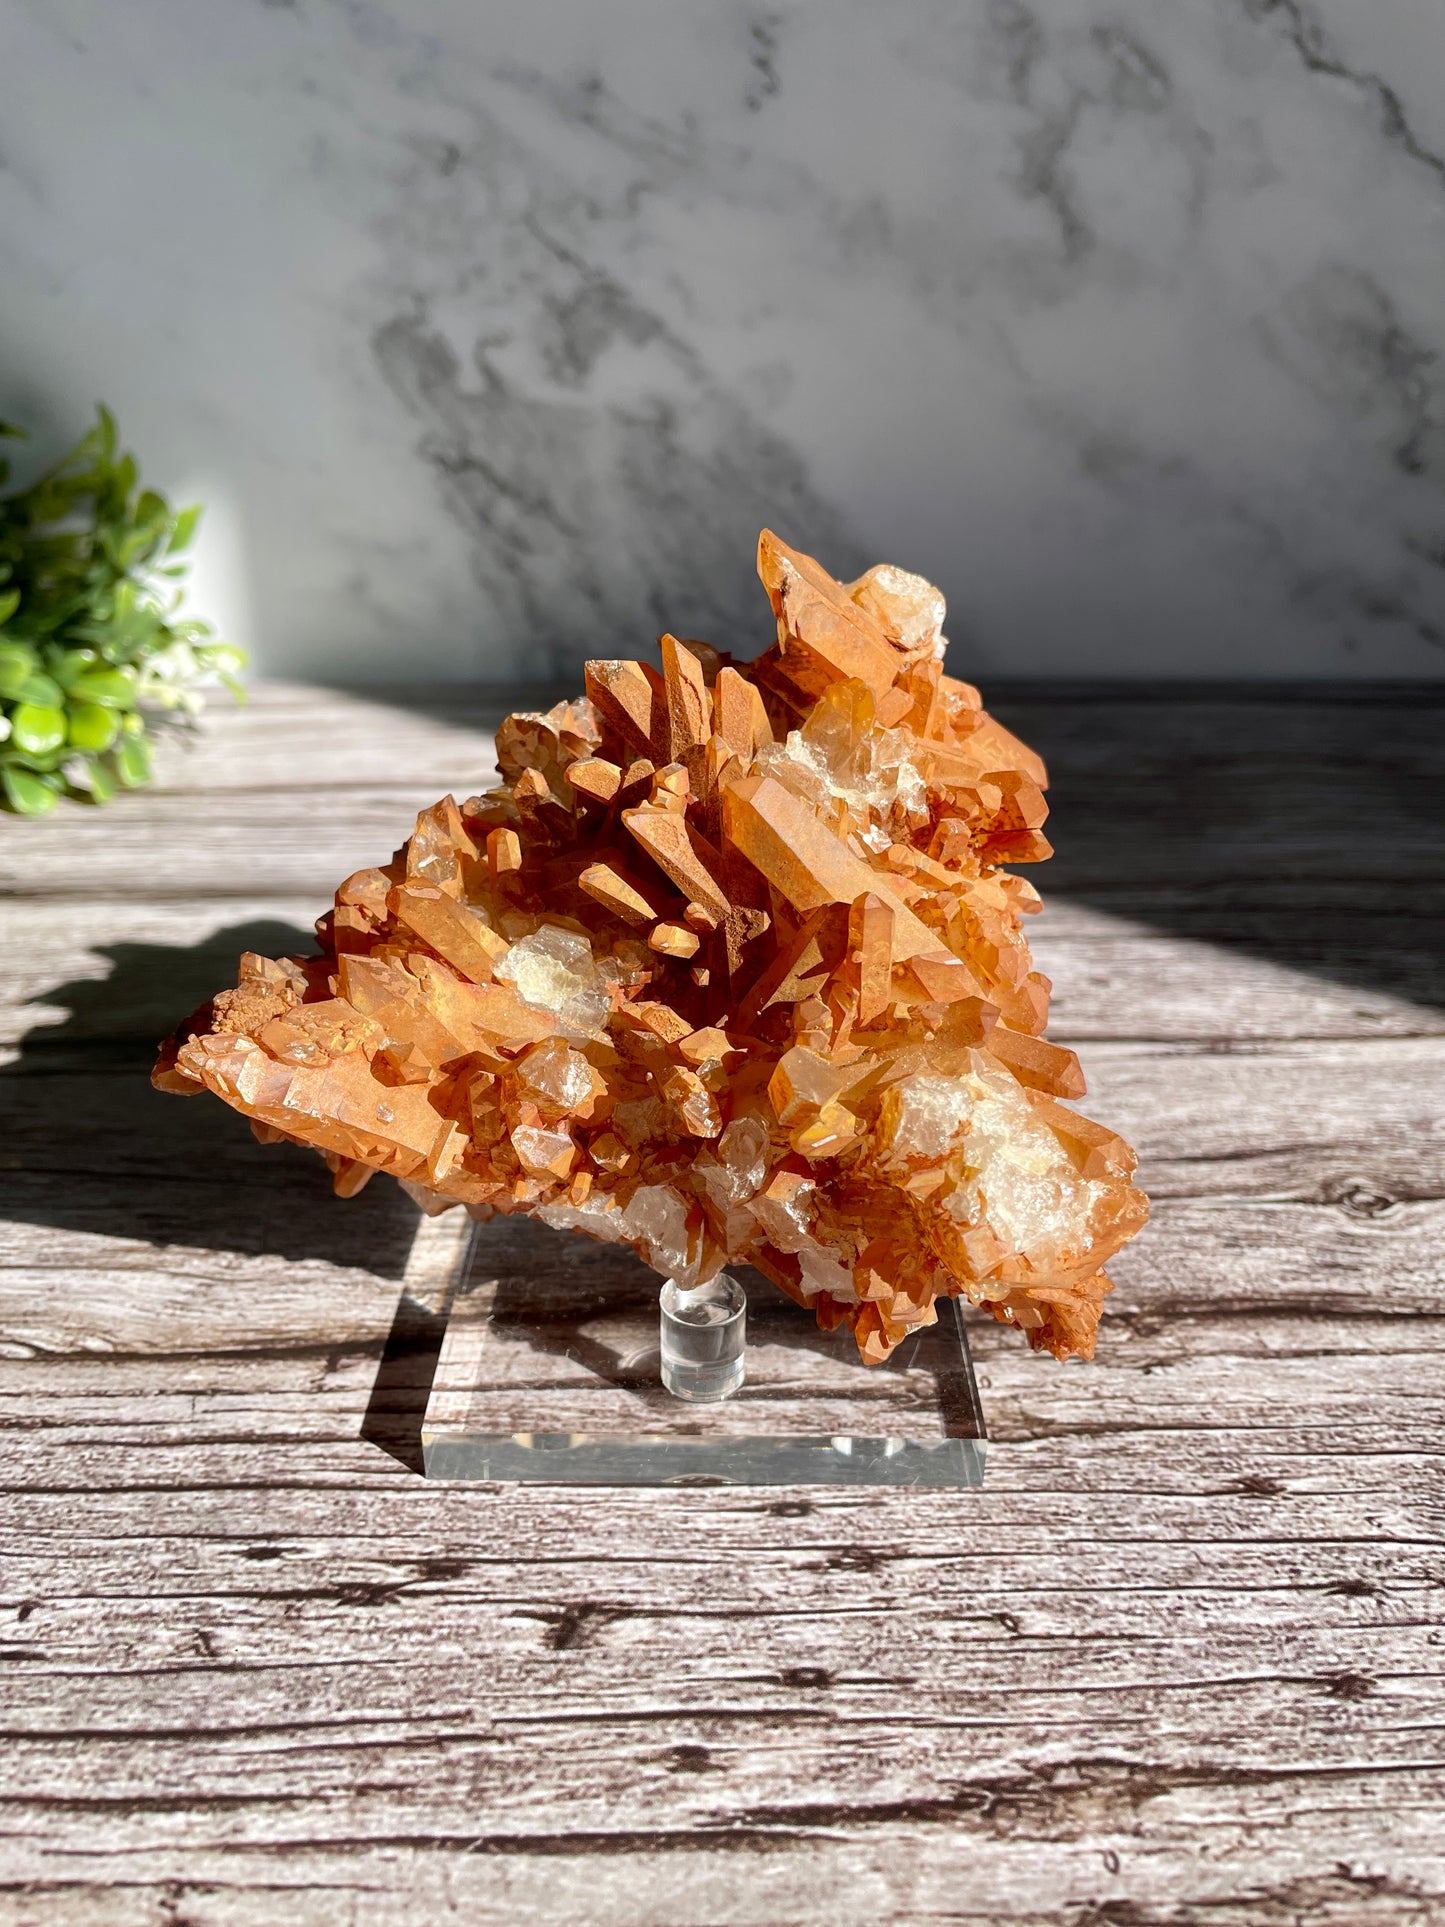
x=729 y=970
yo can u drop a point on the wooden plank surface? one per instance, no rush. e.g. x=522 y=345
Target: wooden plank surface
x=1181 y=1660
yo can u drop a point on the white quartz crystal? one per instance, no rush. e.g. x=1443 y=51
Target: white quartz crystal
x=1004 y=1168
x=1018 y=1178
x=908 y=606
x=839 y=757
x=821 y=1270
x=553 y=970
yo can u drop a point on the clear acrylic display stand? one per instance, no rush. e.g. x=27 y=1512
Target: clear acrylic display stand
x=553 y=1373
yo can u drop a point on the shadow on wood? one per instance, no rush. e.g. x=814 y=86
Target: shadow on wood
x=85 y=1134
x=403 y=1382
x=1299 y=825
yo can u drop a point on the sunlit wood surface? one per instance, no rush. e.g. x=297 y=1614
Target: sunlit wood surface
x=1180 y=1661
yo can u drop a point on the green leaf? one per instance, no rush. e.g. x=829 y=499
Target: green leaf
x=114 y=688
x=26 y=792
x=38 y=689
x=132 y=759
x=183 y=529
x=17 y=665
x=99 y=781
x=223 y=657
x=91 y=624
x=88 y=726
x=37 y=727
x=43 y=762
x=136 y=546
x=68 y=664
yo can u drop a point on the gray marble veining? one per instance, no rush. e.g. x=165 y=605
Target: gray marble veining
x=495 y=333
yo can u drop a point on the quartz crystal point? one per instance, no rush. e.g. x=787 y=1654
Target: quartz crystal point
x=729 y=969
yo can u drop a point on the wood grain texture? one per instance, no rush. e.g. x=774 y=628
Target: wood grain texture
x=1180 y=1661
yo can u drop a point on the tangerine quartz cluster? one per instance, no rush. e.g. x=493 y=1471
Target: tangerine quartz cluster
x=728 y=969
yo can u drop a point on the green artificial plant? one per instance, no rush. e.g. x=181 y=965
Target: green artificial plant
x=91 y=635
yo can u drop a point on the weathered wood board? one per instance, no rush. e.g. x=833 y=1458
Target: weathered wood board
x=1181 y=1660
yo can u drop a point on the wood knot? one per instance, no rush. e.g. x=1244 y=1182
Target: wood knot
x=1359 y=1198
x=1348 y=1686
x=1254 y=1485
x=855 y=1559
x=572 y=1626
x=805 y=1676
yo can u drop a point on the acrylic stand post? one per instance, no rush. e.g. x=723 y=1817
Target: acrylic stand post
x=559 y=1375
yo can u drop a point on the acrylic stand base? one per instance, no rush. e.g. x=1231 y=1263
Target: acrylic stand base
x=551 y=1375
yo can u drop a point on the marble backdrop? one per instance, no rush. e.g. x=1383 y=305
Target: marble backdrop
x=493 y=332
